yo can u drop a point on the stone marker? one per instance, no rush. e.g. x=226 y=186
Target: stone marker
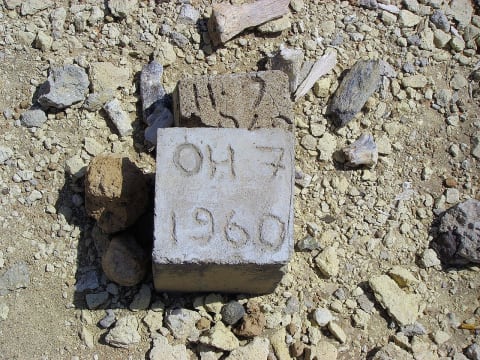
x=223 y=209
x=250 y=100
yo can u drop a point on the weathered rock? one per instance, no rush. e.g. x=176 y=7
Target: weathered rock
x=401 y=306
x=153 y=320
x=473 y=352
x=87 y=337
x=119 y=117
x=290 y=62
x=258 y=349
x=439 y=19
x=165 y=53
x=96 y=100
x=232 y=312
x=75 y=166
x=337 y=331
x=429 y=258
x=65 y=86
x=108 y=319
x=363 y=152
x=142 y=299
x=151 y=89
x=408 y=19
x=181 y=323
x=322 y=316
x=162 y=350
x=125 y=333
x=97 y=300
x=4 y=310
x=5 y=154
x=43 y=41
x=392 y=352
x=458 y=238
x=121 y=8
x=125 y=262
x=220 y=337
x=415 y=81
x=188 y=15
x=476 y=146
x=402 y=277
x=16 y=277
x=57 y=18
x=462 y=11
x=33 y=118
x=116 y=192
x=357 y=86
x=251 y=100
x=30 y=7
x=253 y=323
x=87 y=281
x=324 y=350
x=161 y=118
x=327 y=262
x=276 y=26
x=106 y=77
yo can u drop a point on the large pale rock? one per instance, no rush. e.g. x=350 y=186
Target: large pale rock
x=220 y=337
x=162 y=350
x=258 y=349
x=125 y=333
x=181 y=323
x=403 y=307
x=105 y=76
x=116 y=192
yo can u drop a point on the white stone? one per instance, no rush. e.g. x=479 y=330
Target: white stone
x=429 y=258
x=327 y=262
x=408 y=19
x=162 y=350
x=322 y=316
x=327 y=145
x=257 y=349
x=119 y=117
x=125 y=333
x=220 y=337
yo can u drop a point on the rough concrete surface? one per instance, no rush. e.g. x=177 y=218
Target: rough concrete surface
x=252 y=100
x=232 y=218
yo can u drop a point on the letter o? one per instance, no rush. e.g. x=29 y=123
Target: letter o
x=188 y=158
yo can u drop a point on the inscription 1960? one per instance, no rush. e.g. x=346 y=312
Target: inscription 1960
x=201 y=226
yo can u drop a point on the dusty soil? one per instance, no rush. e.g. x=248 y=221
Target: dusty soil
x=376 y=218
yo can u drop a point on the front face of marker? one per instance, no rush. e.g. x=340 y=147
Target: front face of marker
x=223 y=209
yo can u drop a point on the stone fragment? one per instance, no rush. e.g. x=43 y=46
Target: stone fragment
x=232 y=312
x=391 y=352
x=33 y=118
x=75 y=166
x=57 y=18
x=476 y=146
x=253 y=323
x=277 y=340
x=162 y=350
x=297 y=5
x=276 y=26
x=116 y=192
x=326 y=147
x=337 y=332
x=415 y=81
x=142 y=299
x=429 y=258
x=361 y=318
x=30 y=7
x=222 y=222
x=16 y=277
x=310 y=74
x=106 y=77
x=440 y=20
x=327 y=262
x=408 y=19
x=441 y=38
x=324 y=350
x=161 y=118
x=92 y=147
x=181 y=322
x=257 y=349
x=458 y=81
x=87 y=337
x=357 y=86
x=125 y=333
x=458 y=238
x=119 y=117
x=4 y=310
x=108 y=319
x=12 y=4
x=462 y=11
x=440 y=337
x=121 y=8
x=188 y=15
x=153 y=320
x=322 y=316
x=457 y=44
x=95 y=101
x=87 y=281
x=362 y=152
x=97 y=300
x=473 y=351
x=322 y=87
x=402 y=276
x=290 y=62
x=165 y=53
x=413 y=329
x=251 y=101
x=125 y=262
x=43 y=41
x=401 y=306
x=5 y=154
x=65 y=86
x=220 y=337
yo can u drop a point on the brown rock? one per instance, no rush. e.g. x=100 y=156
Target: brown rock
x=451 y=182
x=253 y=322
x=116 y=192
x=125 y=262
x=203 y=324
x=297 y=348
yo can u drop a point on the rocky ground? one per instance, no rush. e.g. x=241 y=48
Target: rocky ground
x=363 y=282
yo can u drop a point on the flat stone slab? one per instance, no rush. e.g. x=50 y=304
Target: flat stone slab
x=250 y=100
x=223 y=209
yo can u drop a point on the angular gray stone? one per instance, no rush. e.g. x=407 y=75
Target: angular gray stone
x=87 y=281
x=57 y=18
x=108 y=319
x=251 y=100
x=232 y=312
x=440 y=20
x=125 y=333
x=65 y=86
x=230 y=227
x=357 y=86
x=188 y=15
x=5 y=154
x=121 y=8
x=33 y=118
x=458 y=238
x=181 y=322
x=96 y=100
x=119 y=117
x=473 y=352
x=142 y=299
x=97 y=300
x=161 y=118
x=16 y=277
x=462 y=11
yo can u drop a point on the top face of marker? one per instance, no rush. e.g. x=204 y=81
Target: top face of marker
x=224 y=196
